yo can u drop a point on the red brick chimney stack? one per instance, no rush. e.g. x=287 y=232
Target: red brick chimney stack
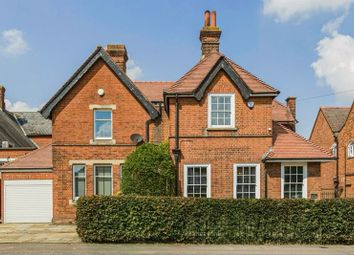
x=119 y=54
x=2 y=98
x=291 y=103
x=210 y=34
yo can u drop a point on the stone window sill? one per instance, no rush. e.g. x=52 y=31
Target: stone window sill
x=221 y=129
x=103 y=142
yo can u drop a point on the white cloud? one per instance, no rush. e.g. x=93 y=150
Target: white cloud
x=133 y=70
x=19 y=106
x=12 y=43
x=335 y=64
x=285 y=10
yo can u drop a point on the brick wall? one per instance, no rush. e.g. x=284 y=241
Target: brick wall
x=323 y=136
x=222 y=148
x=346 y=165
x=73 y=130
x=42 y=140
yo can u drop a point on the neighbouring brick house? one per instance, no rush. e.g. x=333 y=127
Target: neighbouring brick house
x=20 y=134
x=334 y=130
x=228 y=135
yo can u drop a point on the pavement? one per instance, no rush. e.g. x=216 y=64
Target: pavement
x=49 y=239
x=38 y=233
x=169 y=249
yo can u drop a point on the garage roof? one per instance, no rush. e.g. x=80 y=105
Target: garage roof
x=36 y=160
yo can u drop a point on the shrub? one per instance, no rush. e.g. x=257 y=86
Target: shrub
x=176 y=219
x=149 y=171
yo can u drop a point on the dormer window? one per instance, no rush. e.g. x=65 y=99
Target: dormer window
x=351 y=150
x=221 y=110
x=334 y=149
x=103 y=124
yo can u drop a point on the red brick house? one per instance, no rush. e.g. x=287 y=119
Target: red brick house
x=229 y=137
x=334 y=131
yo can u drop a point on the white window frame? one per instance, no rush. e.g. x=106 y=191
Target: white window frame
x=73 y=174
x=94 y=124
x=258 y=178
x=185 y=178
x=351 y=150
x=304 y=184
x=334 y=149
x=94 y=178
x=232 y=102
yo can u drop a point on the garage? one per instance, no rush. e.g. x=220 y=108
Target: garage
x=28 y=201
x=27 y=188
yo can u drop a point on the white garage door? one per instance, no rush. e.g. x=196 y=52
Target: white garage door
x=28 y=201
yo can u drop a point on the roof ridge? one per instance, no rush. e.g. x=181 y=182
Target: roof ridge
x=26 y=155
x=280 y=103
x=333 y=107
x=154 y=81
x=194 y=67
x=249 y=73
x=303 y=138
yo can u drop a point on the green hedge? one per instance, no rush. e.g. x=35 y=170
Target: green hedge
x=149 y=171
x=165 y=219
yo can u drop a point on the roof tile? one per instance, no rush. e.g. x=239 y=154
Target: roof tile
x=290 y=145
x=37 y=159
x=336 y=116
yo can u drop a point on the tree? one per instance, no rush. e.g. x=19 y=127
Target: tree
x=149 y=171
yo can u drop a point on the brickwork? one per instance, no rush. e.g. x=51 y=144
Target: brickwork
x=40 y=141
x=73 y=131
x=346 y=164
x=323 y=136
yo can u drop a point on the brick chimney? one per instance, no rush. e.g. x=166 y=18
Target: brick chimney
x=2 y=98
x=119 y=54
x=210 y=34
x=291 y=103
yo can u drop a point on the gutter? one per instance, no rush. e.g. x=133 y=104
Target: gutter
x=336 y=178
x=25 y=170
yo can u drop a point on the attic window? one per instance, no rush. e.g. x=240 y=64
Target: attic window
x=334 y=149
x=351 y=150
x=221 y=110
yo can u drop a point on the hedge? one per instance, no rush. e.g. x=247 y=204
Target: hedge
x=149 y=171
x=182 y=220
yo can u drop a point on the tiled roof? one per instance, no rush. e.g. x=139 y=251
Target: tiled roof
x=153 y=90
x=11 y=132
x=336 y=116
x=194 y=77
x=33 y=123
x=37 y=159
x=281 y=113
x=288 y=145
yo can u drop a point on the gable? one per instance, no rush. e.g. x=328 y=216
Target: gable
x=198 y=79
x=99 y=53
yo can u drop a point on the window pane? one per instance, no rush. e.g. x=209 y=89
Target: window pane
x=103 y=129
x=79 y=187
x=103 y=180
x=79 y=181
x=106 y=115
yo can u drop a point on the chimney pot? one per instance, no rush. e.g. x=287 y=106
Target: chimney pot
x=119 y=54
x=213 y=19
x=2 y=98
x=209 y=35
x=207 y=18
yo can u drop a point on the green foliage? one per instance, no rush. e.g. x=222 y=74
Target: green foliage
x=149 y=171
x=175 y=219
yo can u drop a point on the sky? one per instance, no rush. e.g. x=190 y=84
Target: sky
x=304 y=48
